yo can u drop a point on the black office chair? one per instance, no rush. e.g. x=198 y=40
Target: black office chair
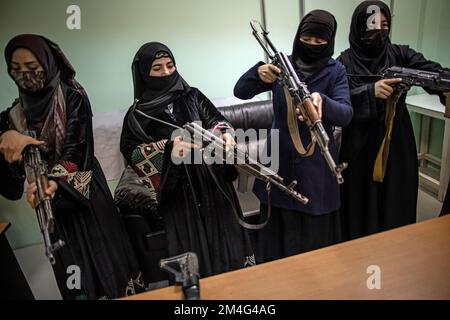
x=251 y=115
x=143 y=223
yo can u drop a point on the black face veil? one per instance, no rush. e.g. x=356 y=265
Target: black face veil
x=148 y=88
x=154 y=94
x=310 y=59
x=370 y=49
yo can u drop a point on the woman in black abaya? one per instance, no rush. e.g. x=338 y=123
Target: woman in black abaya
x=198 y=206
x=56 y=107
x=368 y=206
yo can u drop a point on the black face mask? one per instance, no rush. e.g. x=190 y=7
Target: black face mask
x=375 y=39
x=309 y=53
x=159 y=85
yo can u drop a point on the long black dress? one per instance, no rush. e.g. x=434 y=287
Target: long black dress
x=367 y=206
x=86 y=218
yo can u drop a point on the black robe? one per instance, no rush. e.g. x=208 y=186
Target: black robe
x=367 y=206
x=91 y=228
x=197 y=216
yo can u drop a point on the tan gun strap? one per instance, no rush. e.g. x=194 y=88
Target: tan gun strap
x=379 y=169
x=294 y=132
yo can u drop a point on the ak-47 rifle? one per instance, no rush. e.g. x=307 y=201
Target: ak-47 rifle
x=436 y=81
x=298 y=97
x=36 y=171
x=242 y=161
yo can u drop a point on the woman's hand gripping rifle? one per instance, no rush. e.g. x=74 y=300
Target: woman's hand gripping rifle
x=214 y=144
x=298 y=97
x=36 y=171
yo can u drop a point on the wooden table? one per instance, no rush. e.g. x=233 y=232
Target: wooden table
x=414 y=262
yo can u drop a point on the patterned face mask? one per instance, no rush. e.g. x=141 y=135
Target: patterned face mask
x=30 y=81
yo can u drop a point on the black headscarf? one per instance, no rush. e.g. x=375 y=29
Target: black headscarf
x=370 y=50
x=56 y=66
x=155 y=93
x=310 y=59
